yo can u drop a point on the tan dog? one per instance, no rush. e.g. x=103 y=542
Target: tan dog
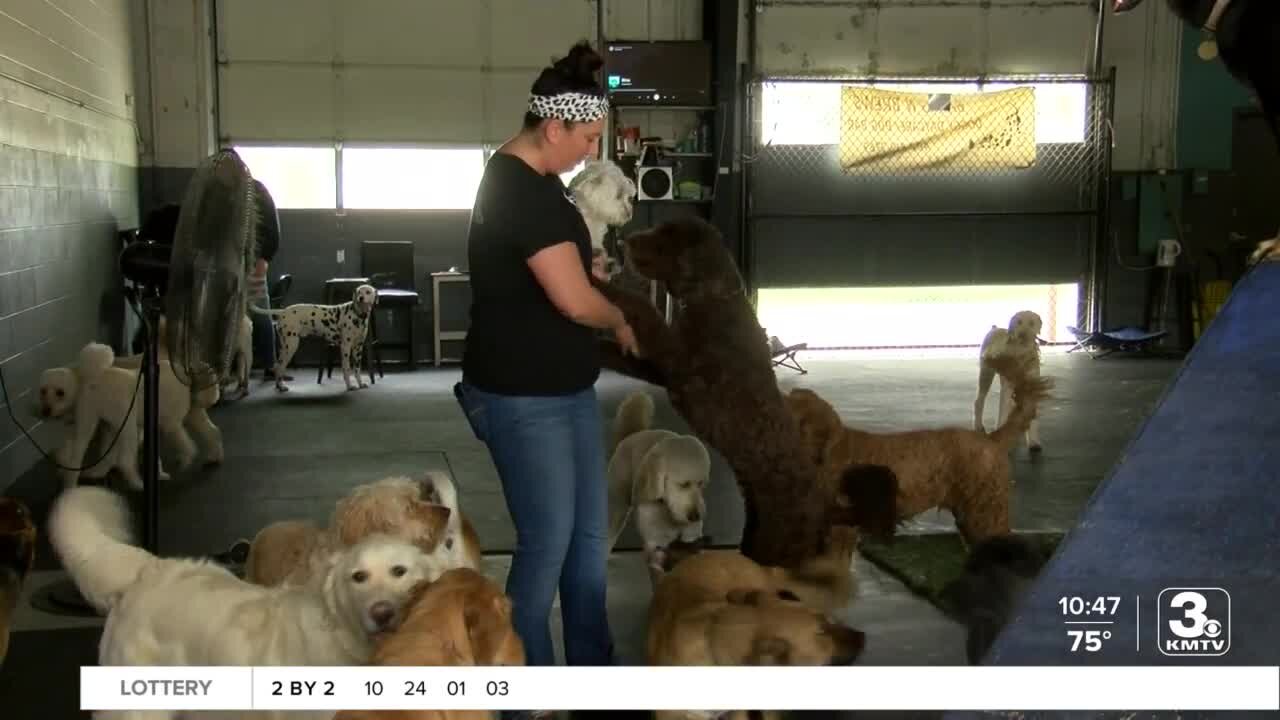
x=962 y=470
x=289 y=551
x=720 y=608
x=17 y=553
x=463 y=618
x=656 y=476
x=1021 y=344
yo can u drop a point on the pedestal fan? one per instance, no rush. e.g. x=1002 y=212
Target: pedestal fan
x=203 y=276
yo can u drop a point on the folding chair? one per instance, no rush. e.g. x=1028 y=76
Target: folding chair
x=785 y=355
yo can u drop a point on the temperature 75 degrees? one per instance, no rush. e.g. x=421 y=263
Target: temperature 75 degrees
x=1090 y=640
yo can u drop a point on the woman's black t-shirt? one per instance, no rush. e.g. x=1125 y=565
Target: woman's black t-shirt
x=518 y=343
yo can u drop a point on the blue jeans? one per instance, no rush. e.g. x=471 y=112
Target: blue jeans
x=264 y=335
x=550 y=456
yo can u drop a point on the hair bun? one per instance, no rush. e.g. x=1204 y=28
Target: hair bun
x=581 y=64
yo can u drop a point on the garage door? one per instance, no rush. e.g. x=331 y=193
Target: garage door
x=394 y=71
x=843 y=194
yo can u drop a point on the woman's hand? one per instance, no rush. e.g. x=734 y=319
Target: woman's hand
x=627 y=339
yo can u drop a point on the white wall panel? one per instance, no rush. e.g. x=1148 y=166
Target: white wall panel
x=282 y=103
x=79 y=50
x=390 y=71
x=410 y=104
x=527 y=35
x=915 y=37
x=442 y=33
x=653 y=19
x=276 y=30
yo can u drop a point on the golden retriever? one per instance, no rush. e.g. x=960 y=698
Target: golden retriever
x=463 y=618
x=423 y=512
x=720 y=608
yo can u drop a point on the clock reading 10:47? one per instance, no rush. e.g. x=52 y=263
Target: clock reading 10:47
x=1077 y=606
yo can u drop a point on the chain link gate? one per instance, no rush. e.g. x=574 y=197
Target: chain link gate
x=841 y=150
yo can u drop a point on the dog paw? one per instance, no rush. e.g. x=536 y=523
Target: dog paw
x=1035 y=448
x=281 y=388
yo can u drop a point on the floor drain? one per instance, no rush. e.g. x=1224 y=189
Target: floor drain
x=62 y=598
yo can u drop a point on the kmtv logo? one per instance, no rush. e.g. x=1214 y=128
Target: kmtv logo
x=1194 y=621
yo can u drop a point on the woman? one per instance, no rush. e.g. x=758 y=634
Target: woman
x=530 y=365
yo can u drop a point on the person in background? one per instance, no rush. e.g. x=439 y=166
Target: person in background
x=268 y=243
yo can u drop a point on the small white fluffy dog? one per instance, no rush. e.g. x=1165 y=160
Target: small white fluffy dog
x=84 y=397
x=659 y=474
x=1020 y=340
x=97 y=394
x=187 y=612
x=605 y=196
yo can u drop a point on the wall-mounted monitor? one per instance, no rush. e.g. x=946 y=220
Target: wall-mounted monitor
x=660 y=72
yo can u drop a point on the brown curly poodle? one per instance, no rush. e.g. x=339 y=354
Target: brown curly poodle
x=716 y=367
x=962 y=470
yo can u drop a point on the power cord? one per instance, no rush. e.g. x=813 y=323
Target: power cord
x=4 y=391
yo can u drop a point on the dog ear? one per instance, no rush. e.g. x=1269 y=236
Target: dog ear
x=651 y=481
x=432 y=521
x=487 y=627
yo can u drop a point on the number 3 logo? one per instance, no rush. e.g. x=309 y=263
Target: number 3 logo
x=1193 y=605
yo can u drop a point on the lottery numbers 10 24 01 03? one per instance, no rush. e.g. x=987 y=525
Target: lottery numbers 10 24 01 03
x=453 y=688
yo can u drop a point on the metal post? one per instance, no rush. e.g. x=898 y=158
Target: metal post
x=151 y=425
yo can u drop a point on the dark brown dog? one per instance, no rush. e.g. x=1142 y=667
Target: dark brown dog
x=17 y=553
x=715 y=364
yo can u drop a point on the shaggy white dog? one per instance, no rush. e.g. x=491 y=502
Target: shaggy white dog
x=186 y=612
x=605 y=196
x=1021 y=341
x=659 y=474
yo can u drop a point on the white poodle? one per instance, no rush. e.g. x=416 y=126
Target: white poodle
x=1021 y=340
x=659 y=474
x=84 y=397
x=605 y=196
x=100 y=391
x=187 y=612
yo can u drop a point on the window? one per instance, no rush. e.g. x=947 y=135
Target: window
x=808 y=113
x=296 y=177
x=411 y=178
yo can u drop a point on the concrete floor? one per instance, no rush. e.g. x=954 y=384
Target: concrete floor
x=292 y=456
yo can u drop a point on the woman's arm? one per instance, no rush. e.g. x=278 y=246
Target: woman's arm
x=558 y=269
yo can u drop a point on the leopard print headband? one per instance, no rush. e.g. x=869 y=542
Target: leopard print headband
x=575 y=106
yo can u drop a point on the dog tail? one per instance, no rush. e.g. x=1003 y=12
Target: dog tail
x=634 y=414
x=1028 y=392
x=260 y=311
x=868 y=500
x=95 y=358
x=89 y=530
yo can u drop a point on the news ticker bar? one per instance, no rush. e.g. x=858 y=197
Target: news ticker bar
x=680 y=688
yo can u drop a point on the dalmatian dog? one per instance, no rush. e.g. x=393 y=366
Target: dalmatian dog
x=344 y=326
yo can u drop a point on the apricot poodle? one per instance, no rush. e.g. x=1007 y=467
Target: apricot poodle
x=963 y=470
